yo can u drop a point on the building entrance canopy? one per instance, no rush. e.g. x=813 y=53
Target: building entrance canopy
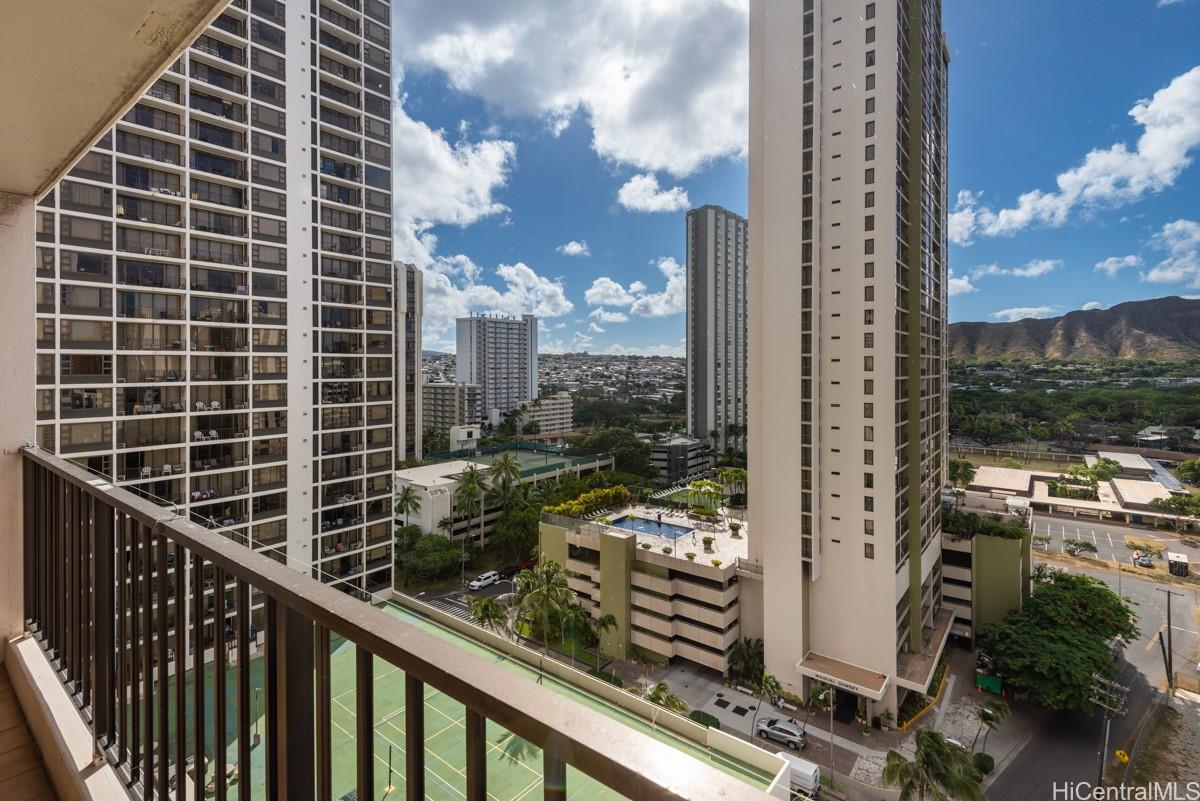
x=843 y=675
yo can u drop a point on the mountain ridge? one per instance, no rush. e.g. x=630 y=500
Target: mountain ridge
x=1161 y=329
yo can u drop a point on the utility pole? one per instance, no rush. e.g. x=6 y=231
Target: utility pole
x=1110 y=698
x=1170 y=641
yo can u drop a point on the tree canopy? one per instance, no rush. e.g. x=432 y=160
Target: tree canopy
x=1050 y=650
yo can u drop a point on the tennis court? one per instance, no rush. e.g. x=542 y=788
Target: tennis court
x=514 y=767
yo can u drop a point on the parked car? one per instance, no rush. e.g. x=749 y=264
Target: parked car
x=1145 y=560
x=783 y=731
x=528 y=564
x=484 y=580
x=509 y=571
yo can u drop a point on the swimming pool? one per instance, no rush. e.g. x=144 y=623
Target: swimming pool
x=645 y=526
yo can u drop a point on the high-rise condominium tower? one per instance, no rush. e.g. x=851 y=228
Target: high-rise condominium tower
x=848 y=320
x=500 y=355
x=716 y=325
x=409 y=308
x=215 y=289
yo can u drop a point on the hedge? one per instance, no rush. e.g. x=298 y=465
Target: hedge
x=705 y=719
x=591 y=502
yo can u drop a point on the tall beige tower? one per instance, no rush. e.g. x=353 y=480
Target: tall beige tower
x=848 y=316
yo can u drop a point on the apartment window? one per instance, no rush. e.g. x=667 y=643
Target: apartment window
x=868 y=317
x=869 y=550
x=869 y=153
x=869 y=458
x=869 y=270
x=868 y=363
x=868 y=410
x=266 y=117
x=869 y=339
x=869 y=175
x=870 y=35
x=869 y=200
x=870 y=105
x=868 y=480
x=90 y=233
x=868 y=433
x=869 y=222
x=868 y=293
x=870 y=58
x=870 y=11
x=868 y=503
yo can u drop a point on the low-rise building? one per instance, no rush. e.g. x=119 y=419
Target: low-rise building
x=667 y=606
x=983 y=579
x=1132 y=465
x=549 y=414
x=465 y=438
x=437 y=483
x=678 y=458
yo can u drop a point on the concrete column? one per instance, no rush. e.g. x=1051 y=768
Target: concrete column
x=17 y=417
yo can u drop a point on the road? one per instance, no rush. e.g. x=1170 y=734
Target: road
x=1108 y=538
x=1066 y=746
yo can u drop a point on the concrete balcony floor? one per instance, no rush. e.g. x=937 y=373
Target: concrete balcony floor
x=22 y=774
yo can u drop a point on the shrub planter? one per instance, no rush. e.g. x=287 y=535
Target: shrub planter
x=708 y=544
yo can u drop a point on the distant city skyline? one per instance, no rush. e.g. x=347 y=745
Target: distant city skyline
x=565 y=196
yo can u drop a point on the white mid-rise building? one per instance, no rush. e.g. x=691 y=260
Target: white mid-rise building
x=716 y=326
x=500 y=355
x=215 y=289
x=848 y=323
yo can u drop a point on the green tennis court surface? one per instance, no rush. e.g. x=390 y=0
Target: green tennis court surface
x=514 y=767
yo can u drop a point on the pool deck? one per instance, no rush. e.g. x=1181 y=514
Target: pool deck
x=725 y=547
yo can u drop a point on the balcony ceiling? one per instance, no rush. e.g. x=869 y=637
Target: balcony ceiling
x=68 y=68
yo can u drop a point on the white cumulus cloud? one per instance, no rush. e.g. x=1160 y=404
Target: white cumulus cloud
x=1107 y=178
x=1092 y=305
x=960 y=285
x=1024 y=312
x=645 y=350
x=672 y=299
x=574 y=248
x=642 y=193
x=605 y=316
x=646 y=76
x=1114 y=264
x=453 y=289
x=1032 y=269
x=596 y=329
x=1180 y=241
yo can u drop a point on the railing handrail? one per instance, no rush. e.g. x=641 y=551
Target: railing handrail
x=619 y=757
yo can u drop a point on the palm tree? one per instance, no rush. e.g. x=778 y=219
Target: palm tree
x=446 y=526
x=660 y=694
x=769 y=689
x=541 y=597
x=489 y=614
x=576 y=623
x=938 y=771
x=408 y=502
x=468 y=497
x=543 y=491
x=600 y=625
x=505 y=471
x=992 y=713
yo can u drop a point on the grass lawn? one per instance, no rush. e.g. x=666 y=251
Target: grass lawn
x=563 y=646
x=684 y=497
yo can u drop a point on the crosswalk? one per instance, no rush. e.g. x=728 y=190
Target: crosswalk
x=452 y=606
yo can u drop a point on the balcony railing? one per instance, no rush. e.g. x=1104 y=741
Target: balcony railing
x=120 y=596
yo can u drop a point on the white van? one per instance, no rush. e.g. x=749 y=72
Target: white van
x=805 y=776
x=484 y=580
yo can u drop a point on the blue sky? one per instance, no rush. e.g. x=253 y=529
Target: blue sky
x=527 y=130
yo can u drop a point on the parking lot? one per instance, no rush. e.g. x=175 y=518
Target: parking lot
x=1109 y=539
